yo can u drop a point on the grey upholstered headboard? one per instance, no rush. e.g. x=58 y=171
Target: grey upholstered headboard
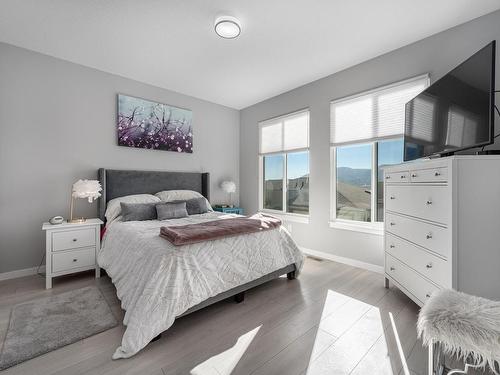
x=118 y=183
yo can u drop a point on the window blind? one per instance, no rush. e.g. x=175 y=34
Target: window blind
x=285 y=133
x=375 y=114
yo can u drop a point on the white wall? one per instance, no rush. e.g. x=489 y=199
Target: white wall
x=436 y=55
x=57 y=124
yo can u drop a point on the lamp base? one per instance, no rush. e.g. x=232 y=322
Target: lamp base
x=77 y=221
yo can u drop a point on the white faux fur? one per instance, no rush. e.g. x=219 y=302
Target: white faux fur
x=466 y=326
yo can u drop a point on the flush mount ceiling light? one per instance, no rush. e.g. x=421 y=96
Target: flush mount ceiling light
x=227 y=27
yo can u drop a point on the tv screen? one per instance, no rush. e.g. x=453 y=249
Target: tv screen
x=454 y=113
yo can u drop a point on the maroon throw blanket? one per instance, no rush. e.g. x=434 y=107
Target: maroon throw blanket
x=213 y=230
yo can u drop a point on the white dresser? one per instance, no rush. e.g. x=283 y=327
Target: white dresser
x=442 y=226
x=71 y=248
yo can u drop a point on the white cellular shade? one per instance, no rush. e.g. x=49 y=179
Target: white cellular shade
x=375 y=114
x=286 y=133
x=271 y=137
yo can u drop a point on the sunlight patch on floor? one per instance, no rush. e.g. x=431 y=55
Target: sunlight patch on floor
x=357 y=329
x=225 y=362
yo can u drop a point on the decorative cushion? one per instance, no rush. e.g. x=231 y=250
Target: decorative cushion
x=177 y=195
x=196 y=206
x=171 y=210
x=113 y=208
x=181 y=196
x=138 y=211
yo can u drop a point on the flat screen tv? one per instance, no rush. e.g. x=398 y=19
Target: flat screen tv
x=456 y=112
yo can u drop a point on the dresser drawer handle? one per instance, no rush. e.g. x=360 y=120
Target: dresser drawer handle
x=75 y=260
x=429 y=236
x=392 y=269
x=392 y=246
x=392 y=197
x=429 y=202
x=403 y=176
x=75 y=239
x=428 y=295
x=437 y=174
x=387 y=177
x=414 y=175
x=392 y=223
x=428 y=265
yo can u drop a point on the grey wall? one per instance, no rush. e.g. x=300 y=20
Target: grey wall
x=435 y=55
x=57 y=124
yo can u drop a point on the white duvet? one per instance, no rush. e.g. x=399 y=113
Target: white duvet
x=157 y=281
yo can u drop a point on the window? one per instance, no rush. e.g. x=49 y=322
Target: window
x=366 y=134
x=284 y=158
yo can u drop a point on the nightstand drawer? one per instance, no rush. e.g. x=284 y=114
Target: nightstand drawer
x=73 y=259
x=72 y=239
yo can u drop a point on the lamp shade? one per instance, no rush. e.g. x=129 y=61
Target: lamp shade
x=228 y=186
x=89 y=189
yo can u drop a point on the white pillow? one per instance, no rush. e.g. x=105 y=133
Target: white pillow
x=114 y=209
x=180 y=195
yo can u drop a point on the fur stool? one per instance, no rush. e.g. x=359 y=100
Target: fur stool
x=461 y=325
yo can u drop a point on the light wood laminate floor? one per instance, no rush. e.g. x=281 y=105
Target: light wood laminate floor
x=333 y=319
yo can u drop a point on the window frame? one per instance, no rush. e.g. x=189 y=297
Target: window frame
x=373 y=226
x=289 y=216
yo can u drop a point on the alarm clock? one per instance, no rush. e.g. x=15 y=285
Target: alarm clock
x=56 y=220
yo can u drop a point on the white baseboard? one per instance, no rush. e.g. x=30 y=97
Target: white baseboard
x=339 y=259
x=20 y=273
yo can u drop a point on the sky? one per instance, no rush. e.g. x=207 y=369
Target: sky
x=357 y=157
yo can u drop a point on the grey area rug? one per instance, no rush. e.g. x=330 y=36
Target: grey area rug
x=45 y=324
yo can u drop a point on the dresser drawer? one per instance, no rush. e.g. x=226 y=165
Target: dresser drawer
x=73 y=259
x=409 y=278
x=393 y=177
x=426 y=202
x=434 y=268
x=439 y=174
x=73 y=239
x=430 y=236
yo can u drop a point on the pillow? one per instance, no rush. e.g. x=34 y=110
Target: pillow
x=138 y=211
x=171 y=210
x=196 y=206
x=113 y=208
x=177 y=195
x=181 y=195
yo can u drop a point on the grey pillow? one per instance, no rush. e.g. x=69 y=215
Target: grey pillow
x=138 y=211
x=196 y=206
x=171 y=210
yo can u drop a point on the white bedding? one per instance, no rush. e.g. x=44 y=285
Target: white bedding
x=157 y=281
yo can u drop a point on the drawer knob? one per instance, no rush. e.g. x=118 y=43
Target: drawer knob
x=387 y=177
x=428 y=265
x=392 y=246
x=75 y=260
x=392 y=269
x=437 y=174
x=414 y=175
x=75 y=239
x=392 y=197
x=403 y=176
x=429 y=236
x=428 y=295
x=392 y=223
x=429 y=202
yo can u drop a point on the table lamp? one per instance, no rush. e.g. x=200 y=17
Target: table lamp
x=229 y=187
x=89 y=189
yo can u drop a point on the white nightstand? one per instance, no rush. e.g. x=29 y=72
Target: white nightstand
x=71 y=248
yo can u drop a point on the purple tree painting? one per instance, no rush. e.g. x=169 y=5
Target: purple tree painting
x=146 y=124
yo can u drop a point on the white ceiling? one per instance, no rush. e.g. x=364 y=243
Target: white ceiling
x=171 y=43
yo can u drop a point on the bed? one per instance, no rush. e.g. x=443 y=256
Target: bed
x=158 y=282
